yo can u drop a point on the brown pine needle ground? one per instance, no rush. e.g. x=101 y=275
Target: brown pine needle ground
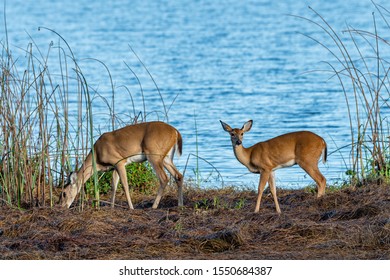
x=214 y=224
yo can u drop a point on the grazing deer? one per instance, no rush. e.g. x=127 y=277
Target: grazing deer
x=155 y=142
x=302 y=147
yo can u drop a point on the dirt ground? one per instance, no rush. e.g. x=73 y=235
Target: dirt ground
x=214 y=224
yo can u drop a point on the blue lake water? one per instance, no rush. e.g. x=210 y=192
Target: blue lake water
x=212 y=60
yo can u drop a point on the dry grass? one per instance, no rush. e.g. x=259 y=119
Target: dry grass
x=345 y=224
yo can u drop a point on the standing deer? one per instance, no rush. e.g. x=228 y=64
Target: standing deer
x=302 y=147
x=155 y=142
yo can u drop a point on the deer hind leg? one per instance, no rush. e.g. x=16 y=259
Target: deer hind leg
x=264 y=176
x=158 y=167
x=272 y=187
x=120 y=168
x=311 y=168
x=168 y=164
x=114 y=185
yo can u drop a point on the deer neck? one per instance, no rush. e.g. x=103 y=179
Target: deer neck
x=85 y=172
x=242 y=154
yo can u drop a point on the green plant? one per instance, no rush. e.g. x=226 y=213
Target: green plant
x=240 y=203
x=216 y=202
x=179 y=227
x=140 y=177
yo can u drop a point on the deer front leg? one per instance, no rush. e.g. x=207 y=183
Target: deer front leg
x=272 y=187
x=264 y=176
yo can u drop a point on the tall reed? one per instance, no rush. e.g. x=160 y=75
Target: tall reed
x=360 y=64
x=34 y=119
x=47 y=120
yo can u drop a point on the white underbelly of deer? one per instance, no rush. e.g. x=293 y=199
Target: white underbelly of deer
x=286 y=164
x=137 y=158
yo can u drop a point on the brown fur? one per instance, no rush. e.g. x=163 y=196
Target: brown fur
x=152 y=141
x=302 y=147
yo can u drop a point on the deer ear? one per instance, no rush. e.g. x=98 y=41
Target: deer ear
x=73 y=178
x=226 y=127
x=247 y=126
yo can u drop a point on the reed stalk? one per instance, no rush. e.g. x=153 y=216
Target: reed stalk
x=47 y=121
x=361 y=67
